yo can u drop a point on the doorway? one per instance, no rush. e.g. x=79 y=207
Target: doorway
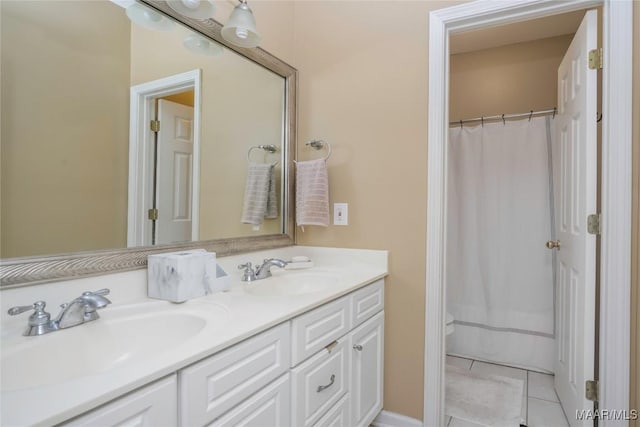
x=613 y=364
x=164 y=160
x=505 y=299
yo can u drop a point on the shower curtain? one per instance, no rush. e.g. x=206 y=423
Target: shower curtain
x=500 y=280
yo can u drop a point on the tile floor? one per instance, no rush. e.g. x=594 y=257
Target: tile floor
x=540 y=404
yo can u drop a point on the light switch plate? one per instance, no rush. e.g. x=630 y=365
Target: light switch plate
x=340 y=214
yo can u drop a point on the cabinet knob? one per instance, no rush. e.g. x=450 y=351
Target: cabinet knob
x=357 y=347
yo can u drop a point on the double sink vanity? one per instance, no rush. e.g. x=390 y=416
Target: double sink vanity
x=300 y=348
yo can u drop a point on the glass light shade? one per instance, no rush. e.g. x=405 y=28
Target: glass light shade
x=201 y=46
x=197 y=9
x=147 y=18
x=240 y=30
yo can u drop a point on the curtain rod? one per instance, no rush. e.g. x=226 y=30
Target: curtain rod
x=505 y=117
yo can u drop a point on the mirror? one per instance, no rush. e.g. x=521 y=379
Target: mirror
x=82 y=168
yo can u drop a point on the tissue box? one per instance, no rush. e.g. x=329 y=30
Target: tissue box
x=179 y=276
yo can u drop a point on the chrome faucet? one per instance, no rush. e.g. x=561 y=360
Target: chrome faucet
x=262 y=271
x=80 y=310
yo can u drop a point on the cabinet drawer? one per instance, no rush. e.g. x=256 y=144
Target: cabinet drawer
x=318 y=383
x=337 y=416
x=267 y=408
x=215 y=385
x=152 y=406
x=366 y=302
x=316 y=329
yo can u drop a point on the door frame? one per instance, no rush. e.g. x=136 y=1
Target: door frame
x=615 y=238
x=142 y=111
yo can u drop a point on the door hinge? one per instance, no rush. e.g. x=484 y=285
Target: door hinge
x=153 y=214
x=593 y=224
x=595 y=59
x=591 y=390
x=155 y=125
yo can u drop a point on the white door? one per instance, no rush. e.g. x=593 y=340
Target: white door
x=576 y=275
x=174 y=189
x=367 y=370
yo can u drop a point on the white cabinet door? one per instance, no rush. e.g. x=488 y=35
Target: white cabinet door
x=367 y=363
x=154 y=405
x=270 y=407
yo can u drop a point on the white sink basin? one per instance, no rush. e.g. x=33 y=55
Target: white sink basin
x=293 y=283
x=118 y=337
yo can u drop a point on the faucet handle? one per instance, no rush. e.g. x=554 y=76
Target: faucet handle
x=38 y=306
x=249 y=275
x=102 y=292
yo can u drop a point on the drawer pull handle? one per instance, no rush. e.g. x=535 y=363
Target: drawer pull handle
x=324 y=387
x=357 y=347
x=331 y=346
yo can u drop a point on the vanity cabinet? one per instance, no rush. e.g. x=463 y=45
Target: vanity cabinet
x=321 y=368
x=347 y=331
x=153 y=405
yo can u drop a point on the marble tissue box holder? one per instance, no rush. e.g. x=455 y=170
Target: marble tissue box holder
x=179 y=276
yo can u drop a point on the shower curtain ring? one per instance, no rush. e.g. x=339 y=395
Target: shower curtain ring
x=503 y=121
x=530 y=115
x=482 y=120
x=555 y=110
x=460 y=124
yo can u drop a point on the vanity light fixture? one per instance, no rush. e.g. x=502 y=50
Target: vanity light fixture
x=197 y=9
x=147 y=18
x=202 y=46
x=240 y=30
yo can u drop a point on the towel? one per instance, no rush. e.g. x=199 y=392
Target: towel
x=312 y=193
x=260 y=200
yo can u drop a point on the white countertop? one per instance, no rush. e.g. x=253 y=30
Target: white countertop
x=238 y=315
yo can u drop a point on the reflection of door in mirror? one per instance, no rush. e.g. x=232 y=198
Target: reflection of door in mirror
x=173 y=174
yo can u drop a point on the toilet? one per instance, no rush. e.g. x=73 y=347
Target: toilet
x=449 y=328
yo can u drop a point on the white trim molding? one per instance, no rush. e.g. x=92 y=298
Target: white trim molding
x=391 y=419
x=616 y=187
x=615 y=241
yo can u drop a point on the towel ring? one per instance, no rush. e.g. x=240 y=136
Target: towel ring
x=319 y=144
x=270 y=148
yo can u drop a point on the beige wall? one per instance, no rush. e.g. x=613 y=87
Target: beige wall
x=61 y=116
x=509 y=79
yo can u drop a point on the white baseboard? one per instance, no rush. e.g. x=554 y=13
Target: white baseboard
x=391 y=419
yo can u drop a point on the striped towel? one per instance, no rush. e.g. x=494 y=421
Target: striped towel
x=312 y=193
x=260 y=199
